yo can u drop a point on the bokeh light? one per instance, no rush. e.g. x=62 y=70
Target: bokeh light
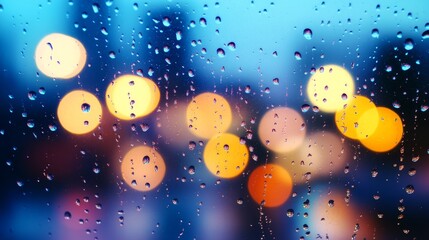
x=143 y=168
x=79 y=112
x=388 y=133
x=225 y=156
x=358 y=119
x=330 y=88
x=270 y=185
x=208 y=114
x=282 y=129
x=321 y=154
x=60 y=56
x=130 y=96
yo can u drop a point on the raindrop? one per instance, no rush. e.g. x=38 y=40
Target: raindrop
x=192 y=145
x=191 y=73
x=409 y=189
x=344 y=96
x=218 y=20
x=405 y=66
x=20 y=183
x=331 y=203
x=290 y=213
x=396 y=104
x=191 y=170
x=425 y=34
x=298 y=56
x=166 y=21
x=178 y=35
x=226 y=147
x=247 y=89
x=30 y=123
x=52 y=127
x=424 y=108
x=308 y=34
x=104 y=31
x=42 y=91
x=221 y=52
x=409 y=44
x=32 y=95
x=95 y=8
x=240 y=201
x=67 y=215
x=85 y=107
x=231 y=46
x=112 y=55
x=375 y=33
x=276 y=81
x=146 y=159
x=203 y=22
x=175 y=201
x=305 y=108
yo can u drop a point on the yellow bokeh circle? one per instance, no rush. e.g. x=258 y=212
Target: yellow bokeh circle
x=208 y=114
x=270 y=184
x=330 y=88
x=225 y=156
x=388 y=133
x=143 y=168
x=60 y=56
x=130 y=96
x=79 y=112
x=282 y=129
x=358 y=119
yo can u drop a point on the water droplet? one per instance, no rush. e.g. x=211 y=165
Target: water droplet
x=104 y=31
x=425 y=34
x=135 y=6
x=375 y=33
x=52 y=127
x=85 y=107
x=67 y=215
x=290 y=213
x=305 y=108
x=203 y=22
x=95 y=7
x=166 y=21
x=191 y=73
x=344 y=96
x=247 y=89
x=412 y=171
x=220 y=52
x=42 y=91
x=399 y=34
x=231 y=46
x=192 y=145
x=20 y=183
x=178 y=35
x=175 y=201
x=396 y=104
x=191 y=170
x=30 y=123
x=424 y=108
x=240 y=201
x=32 y=95
x=298 y=56
x=331 y=203
x=276 y=81
x=409 y=44
x=308 y=34
x=112 y=55
x=218 y=20
x=146 y=159
x=409 y=189
x=84 y=15
x=405 y=66
x=388 y=68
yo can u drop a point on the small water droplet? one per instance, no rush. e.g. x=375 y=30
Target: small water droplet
x=85 y=107
x=67 y=215
x=218 y=20
x=344 y=96
x=298 y=56
x=52 y=127
x=305 y=108
x=409 y=189
x=95 y=7
x=220 y=52
x=425 y=34
x=308 y=34
x=290 y=213
x=104 y=31
x=32 y=95
x=166 y=21
x=112 y=55
x=203 y=22
x=396 y=104
x=375 y=33
x=42 y=91
x=405 y=66
x=331 y=203
x=231 y=46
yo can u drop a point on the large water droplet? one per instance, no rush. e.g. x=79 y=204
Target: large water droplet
x=409 y=44
x=67 y=215
x=425 y=34
x=221 y=52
